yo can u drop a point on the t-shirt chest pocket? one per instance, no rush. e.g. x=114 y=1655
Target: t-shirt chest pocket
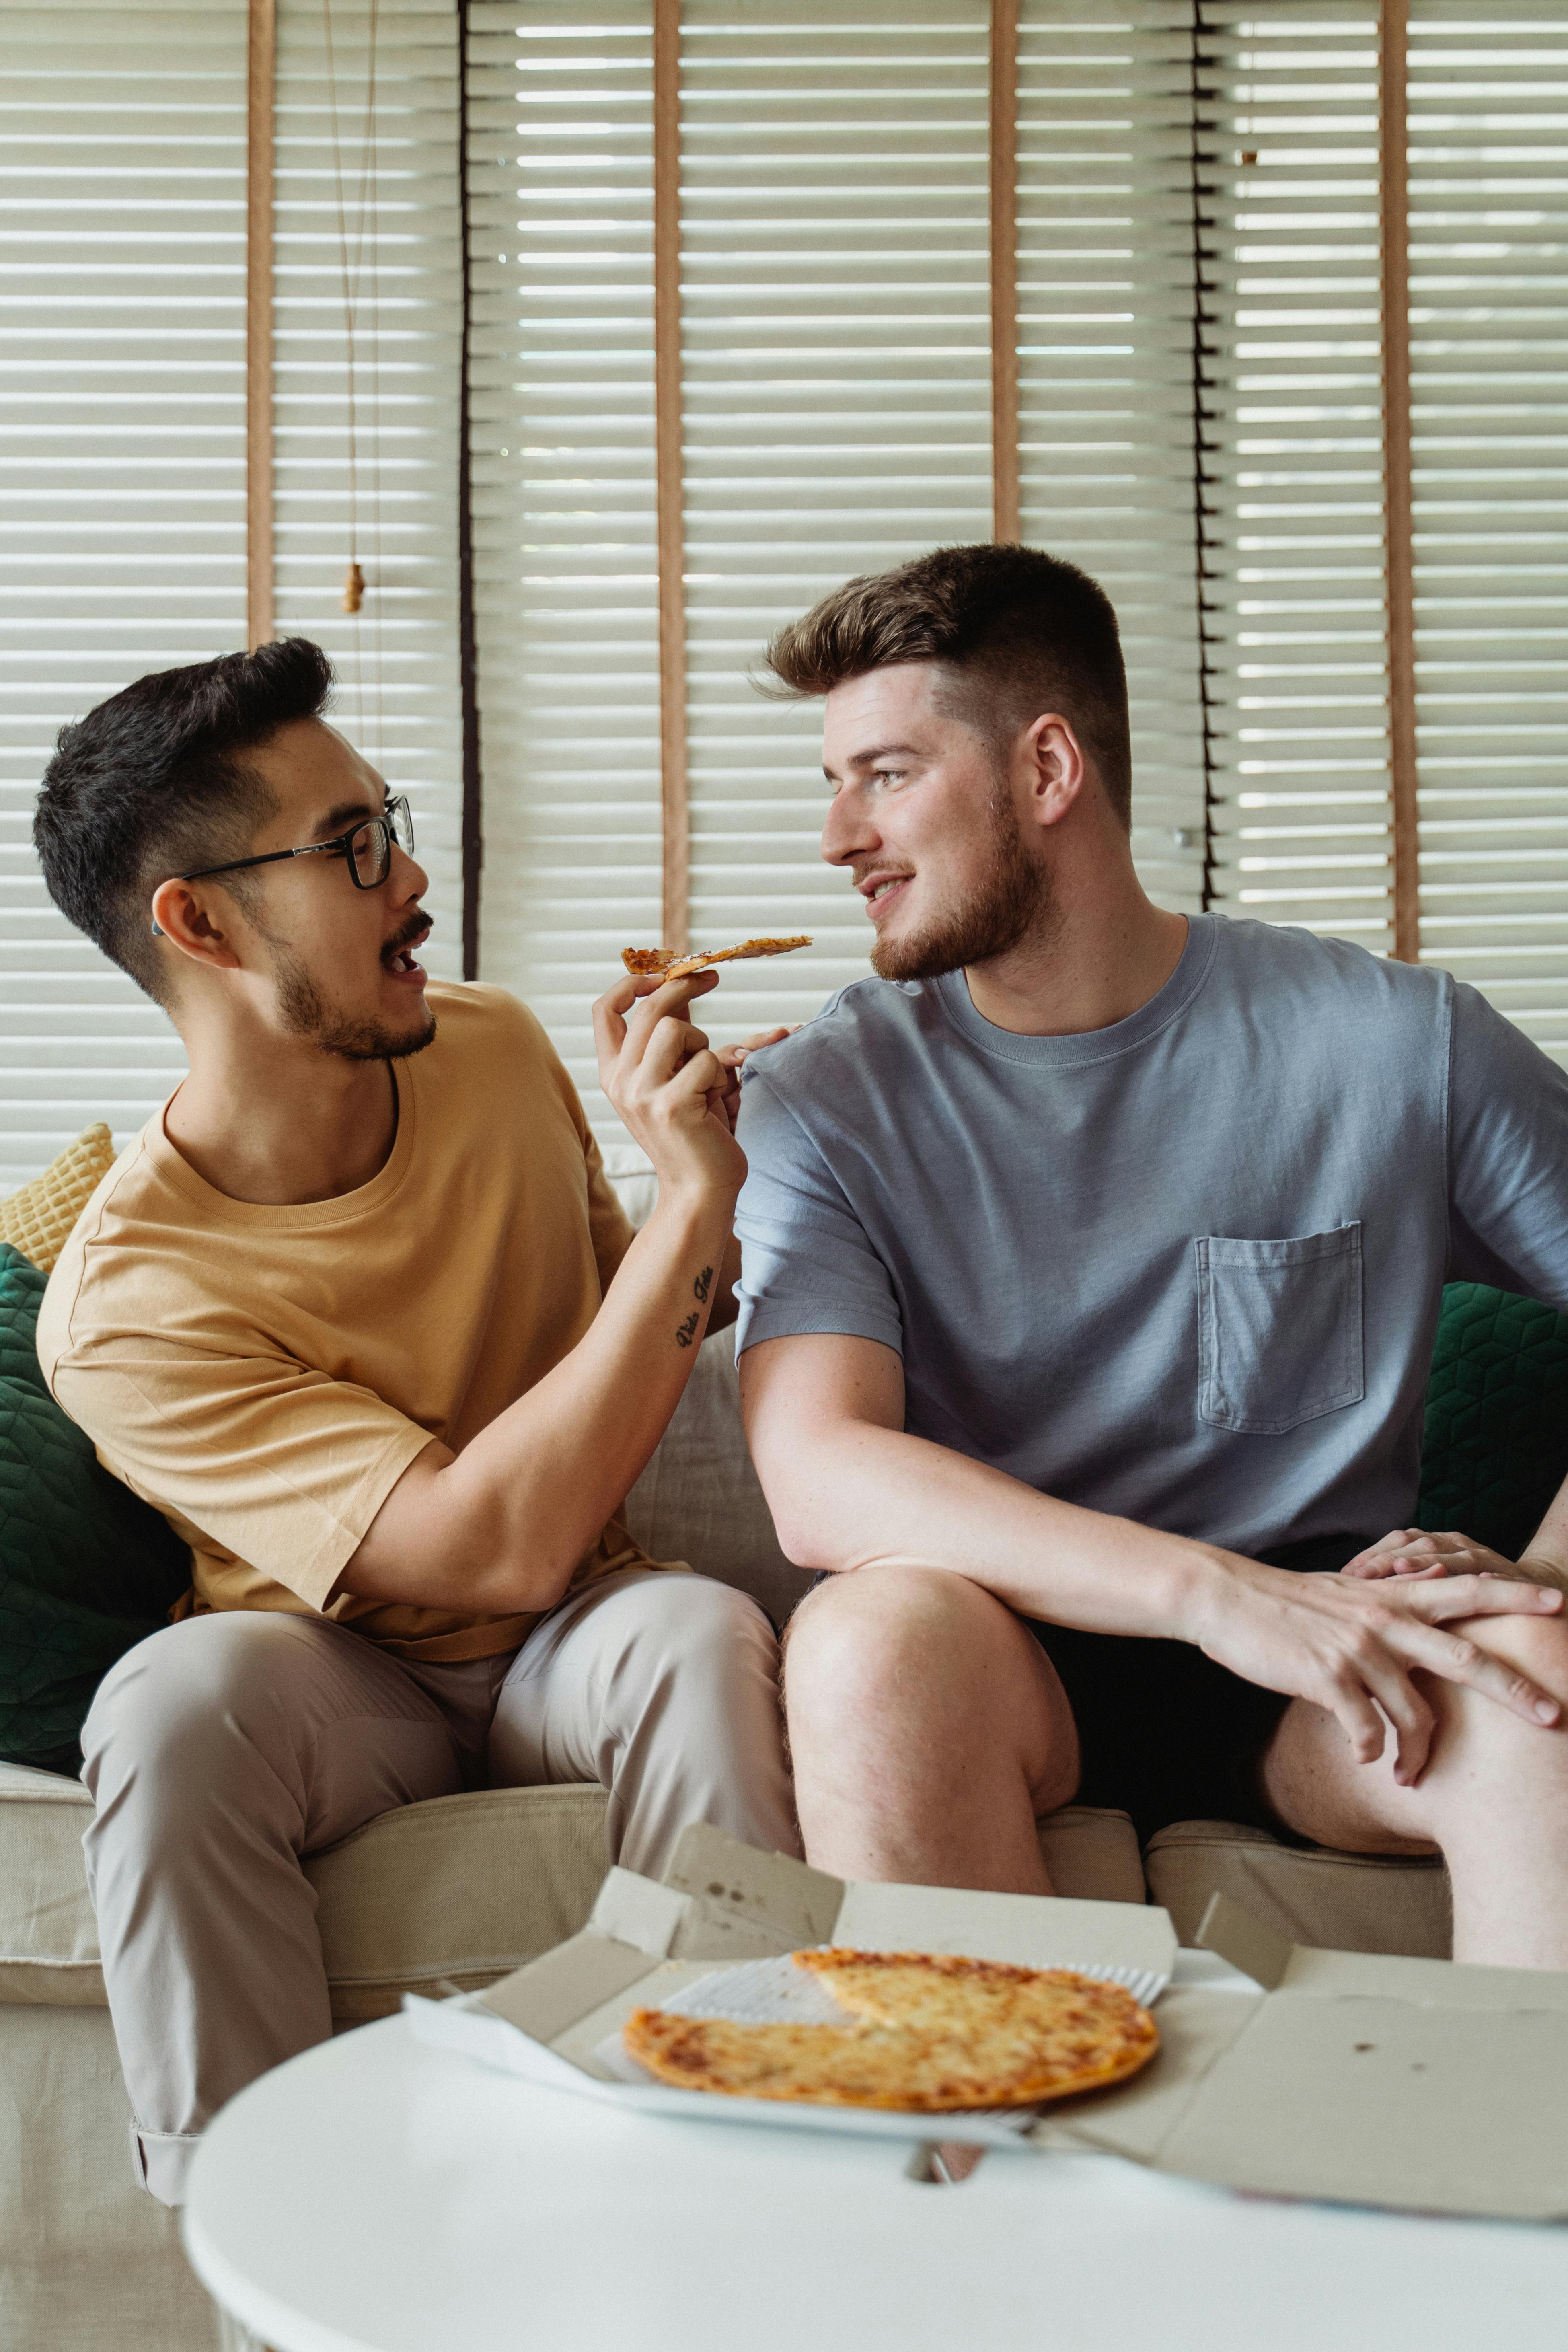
x=1279 y=1330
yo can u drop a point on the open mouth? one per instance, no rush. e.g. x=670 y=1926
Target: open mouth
x=882 y=893
x=401 y=962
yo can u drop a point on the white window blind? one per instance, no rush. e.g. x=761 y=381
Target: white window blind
x=399 y=693
x=836 y=292
x=1489 y=247
x=122 y=547
x=1292 y=464
x=1105 y=331
x=122 y=461
x=835 y=363
x=561 y=399
x=836 y=419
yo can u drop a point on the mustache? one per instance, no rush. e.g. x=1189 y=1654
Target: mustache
x=417 y=921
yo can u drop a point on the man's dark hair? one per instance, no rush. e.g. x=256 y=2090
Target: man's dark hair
x=1024 y=632
x=153 y=782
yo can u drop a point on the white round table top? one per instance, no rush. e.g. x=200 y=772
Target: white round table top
x=378 y=2196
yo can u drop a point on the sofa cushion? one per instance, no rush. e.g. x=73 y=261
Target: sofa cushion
x=1495 y=1445
x=87 y=1569
x=461 y=1888
x=1092 y=1854
x=700 y=1499
x=456 y=1891
x=1339 y=1902
x=37 y=1220
x=49 y=1936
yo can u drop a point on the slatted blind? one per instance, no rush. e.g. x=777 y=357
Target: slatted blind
x=399 y=684
x=1290 y=385
x=122 y=466
x=837 y=404
x=1106 y=349
x=838 y=409
x=122 y=540
x=1489 y=244
x=561 y=393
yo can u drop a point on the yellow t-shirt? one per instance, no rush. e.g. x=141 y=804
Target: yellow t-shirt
x=265 y=1376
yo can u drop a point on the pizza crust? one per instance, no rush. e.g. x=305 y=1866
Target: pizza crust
x=672 y=965
x=923 y=2031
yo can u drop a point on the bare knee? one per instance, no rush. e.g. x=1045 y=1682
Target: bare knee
x=894 y=1655
x=870 y=1638
x=1536 y=1648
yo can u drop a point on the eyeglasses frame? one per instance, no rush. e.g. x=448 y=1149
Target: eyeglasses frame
x=337 y=847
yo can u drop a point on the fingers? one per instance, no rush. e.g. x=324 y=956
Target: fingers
x=1482 y=1593
x=733 y=1056
x=667 y=1001
x=1459 y=1660
x=673 y=1046
x=653 y=997
x=1361 y=1724
x=1415 y=1551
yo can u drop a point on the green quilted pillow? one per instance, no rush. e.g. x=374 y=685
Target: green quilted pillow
x=1495 y=1447
x=86 y=1568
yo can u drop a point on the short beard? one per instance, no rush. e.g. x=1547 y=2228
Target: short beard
x=1015 y=897
x=307 y=1014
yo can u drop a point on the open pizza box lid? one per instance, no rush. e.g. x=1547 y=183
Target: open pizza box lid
x=1353 y=2078
x=721 y=1904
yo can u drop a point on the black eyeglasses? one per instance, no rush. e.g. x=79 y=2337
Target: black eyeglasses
x=367 y=847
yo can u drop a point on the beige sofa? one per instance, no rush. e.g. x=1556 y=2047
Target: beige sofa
x=458 y=1891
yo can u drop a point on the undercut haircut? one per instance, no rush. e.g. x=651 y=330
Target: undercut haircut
x=155 y=782
x=1020 y=632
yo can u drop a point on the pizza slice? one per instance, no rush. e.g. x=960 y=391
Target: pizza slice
x=671 y=965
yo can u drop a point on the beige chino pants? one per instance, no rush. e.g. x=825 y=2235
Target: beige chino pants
x=222 y=1749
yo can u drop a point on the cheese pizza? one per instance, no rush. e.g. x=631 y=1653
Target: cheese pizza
x=922 y=2030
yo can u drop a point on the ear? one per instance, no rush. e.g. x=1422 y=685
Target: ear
x=182 y=915
x=1060 y=770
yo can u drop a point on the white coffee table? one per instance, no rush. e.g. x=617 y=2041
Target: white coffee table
x=376 y=2196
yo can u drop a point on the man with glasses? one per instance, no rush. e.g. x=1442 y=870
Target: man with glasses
x=360 y=1313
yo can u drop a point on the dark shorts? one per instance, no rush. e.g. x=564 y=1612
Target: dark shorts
x=1166 y=1734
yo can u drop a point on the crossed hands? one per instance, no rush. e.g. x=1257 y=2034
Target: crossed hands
x=677 y=1093
x=1352 y=1643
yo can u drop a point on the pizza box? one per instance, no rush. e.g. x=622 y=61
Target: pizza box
x=1337 y=2077
x=1350 y=2078
x=721 y=1904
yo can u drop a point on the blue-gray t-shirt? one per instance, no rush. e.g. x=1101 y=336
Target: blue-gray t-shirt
x=1187 y=1268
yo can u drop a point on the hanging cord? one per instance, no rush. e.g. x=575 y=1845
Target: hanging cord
x=351 y=270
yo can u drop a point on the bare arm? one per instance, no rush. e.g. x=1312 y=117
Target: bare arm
x=847 y=1485
x=726 y=1305
x=500 y=1526
x=733 y=1059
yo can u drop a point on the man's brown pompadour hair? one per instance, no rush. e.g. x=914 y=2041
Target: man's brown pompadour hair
x=1022 y=632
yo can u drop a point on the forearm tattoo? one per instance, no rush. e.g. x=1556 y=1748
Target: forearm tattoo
x=700 y=1290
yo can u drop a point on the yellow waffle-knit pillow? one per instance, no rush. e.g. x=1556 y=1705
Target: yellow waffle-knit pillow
x=37 y=1220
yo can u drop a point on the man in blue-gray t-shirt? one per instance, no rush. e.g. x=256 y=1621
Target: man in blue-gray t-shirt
x=1093 y=1257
